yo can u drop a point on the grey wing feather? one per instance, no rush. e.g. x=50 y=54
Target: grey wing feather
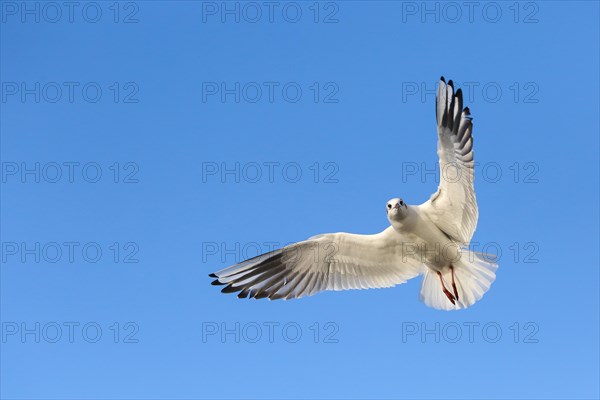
x=337 y=261
x=453 y=208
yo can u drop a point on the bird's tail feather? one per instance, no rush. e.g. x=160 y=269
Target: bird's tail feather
x=473 y=275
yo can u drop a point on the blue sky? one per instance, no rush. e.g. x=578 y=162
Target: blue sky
x=146 y=144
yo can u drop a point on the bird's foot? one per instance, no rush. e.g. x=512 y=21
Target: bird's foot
x=455 y=291
x=454 y=284
x=450 y=296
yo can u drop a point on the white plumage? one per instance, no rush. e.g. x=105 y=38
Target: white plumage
x=428 y=239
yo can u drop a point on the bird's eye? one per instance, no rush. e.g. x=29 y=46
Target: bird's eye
x=389 y=206
x=401 y=202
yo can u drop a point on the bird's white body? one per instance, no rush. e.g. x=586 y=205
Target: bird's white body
x=419 y=235
x=428 y=239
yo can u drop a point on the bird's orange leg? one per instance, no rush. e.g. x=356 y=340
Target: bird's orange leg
x=446 y=292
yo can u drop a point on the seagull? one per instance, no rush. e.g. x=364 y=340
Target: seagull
x=430 y=239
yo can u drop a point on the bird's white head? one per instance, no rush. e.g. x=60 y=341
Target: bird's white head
x=396 y=209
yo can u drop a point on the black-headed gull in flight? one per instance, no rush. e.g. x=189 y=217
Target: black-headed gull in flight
x=429 y=239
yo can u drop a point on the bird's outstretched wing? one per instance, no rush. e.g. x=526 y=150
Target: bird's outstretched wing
x=334 y=261
x=453 y=208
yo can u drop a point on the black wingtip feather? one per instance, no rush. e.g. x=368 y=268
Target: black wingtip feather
x=230 y=289
x=216 y=282
x=442 y=79
x=213 y=275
